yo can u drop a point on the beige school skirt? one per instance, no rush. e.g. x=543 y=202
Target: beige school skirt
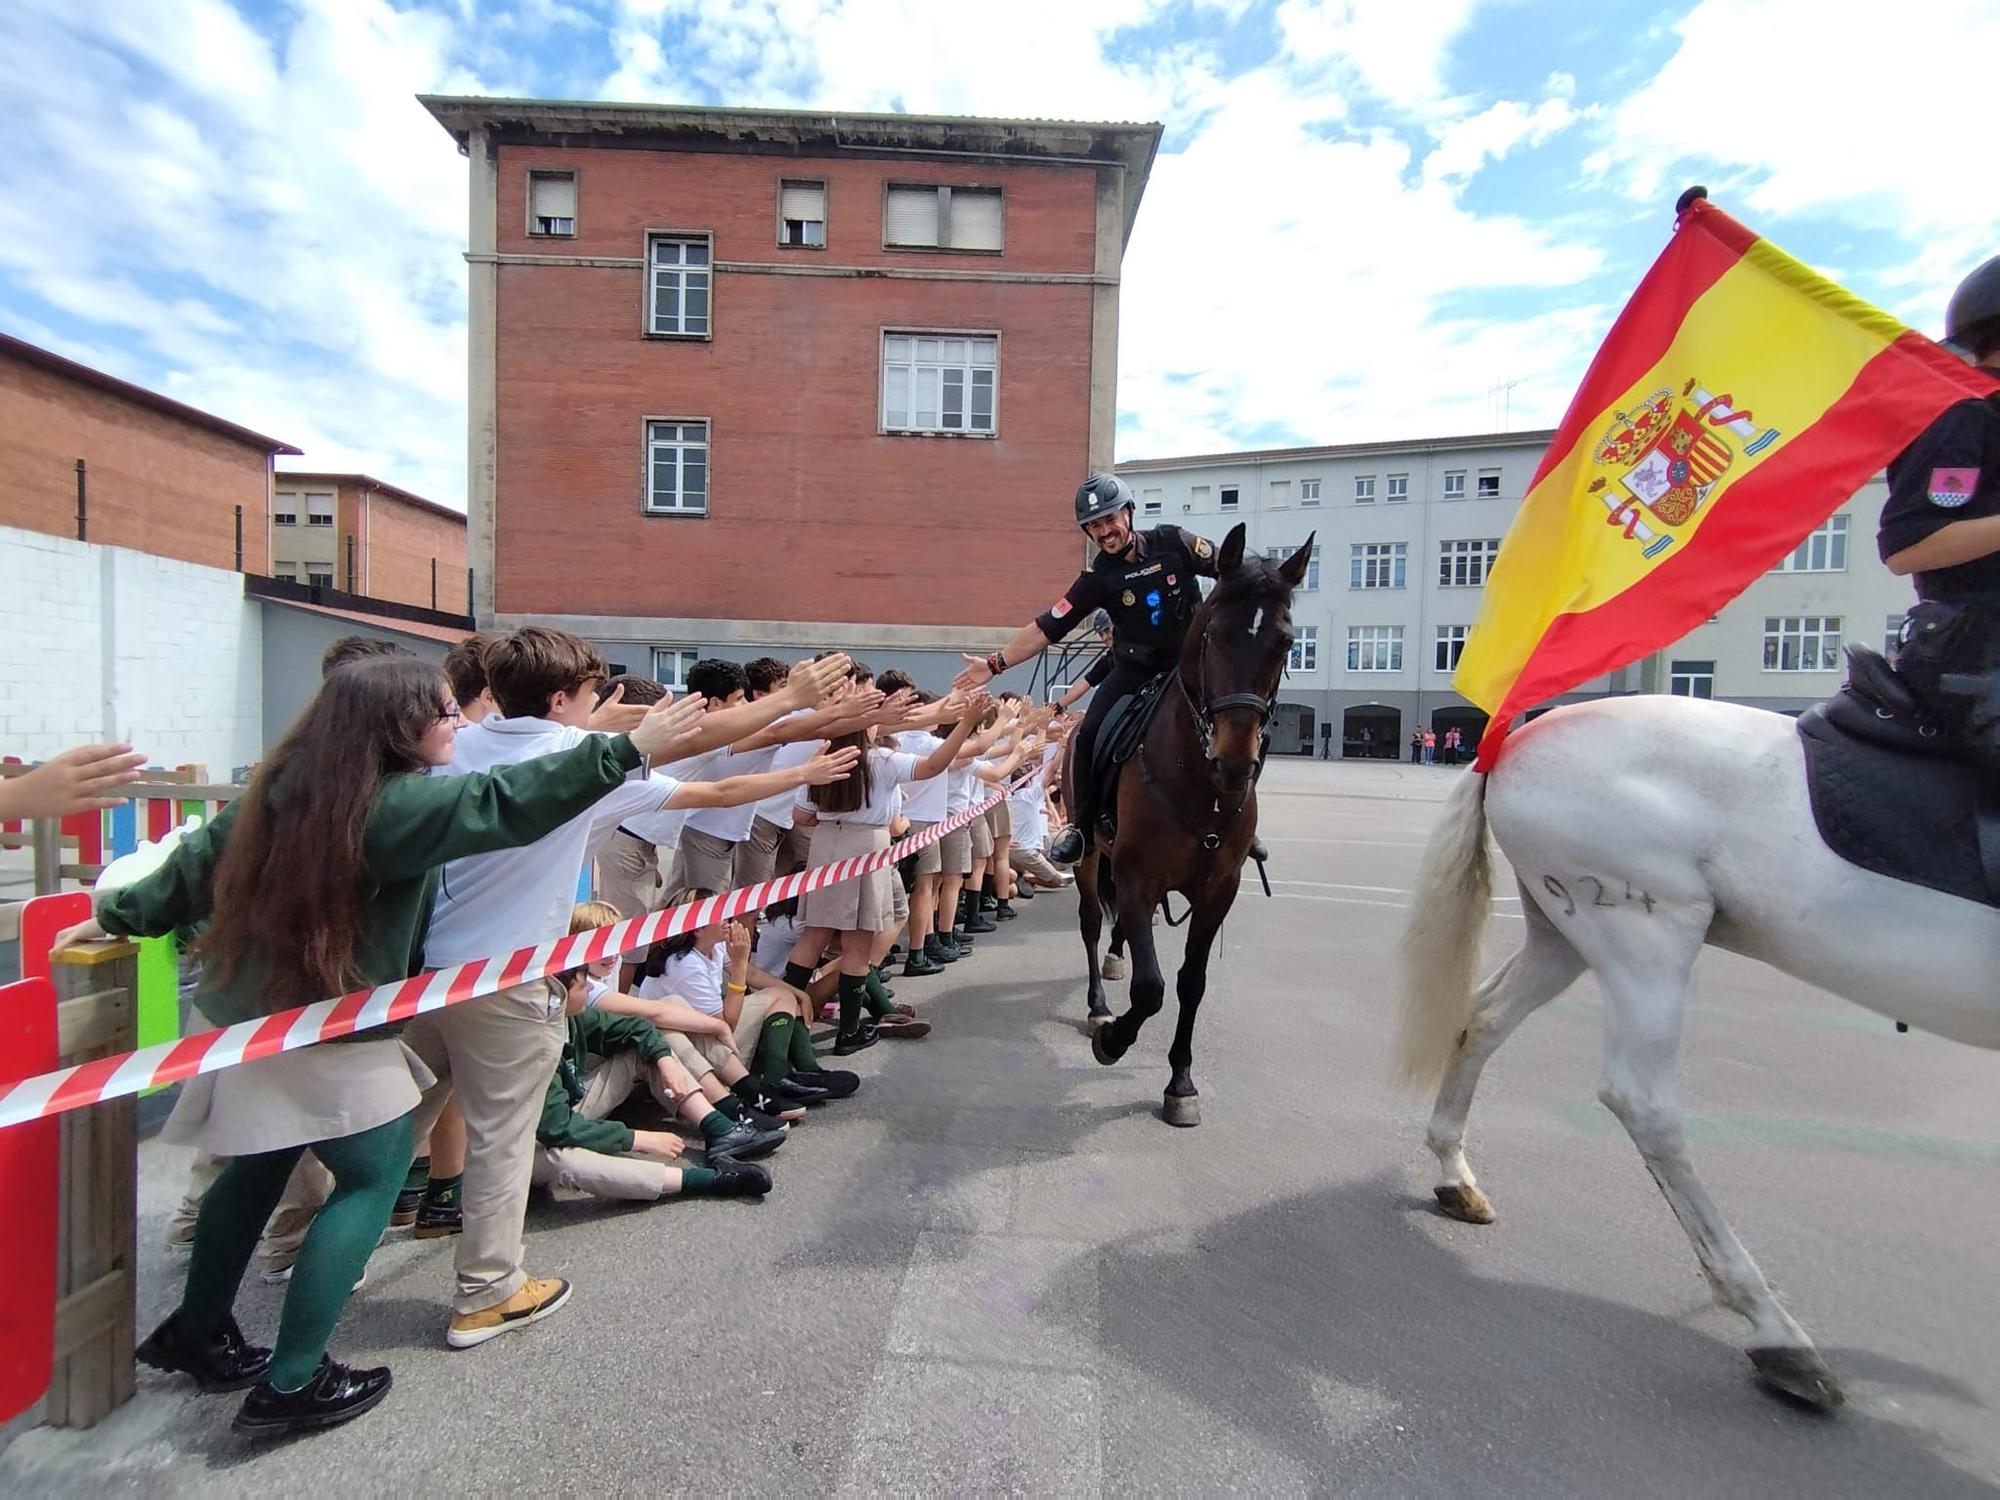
x=865 y=904
x=297 y=1098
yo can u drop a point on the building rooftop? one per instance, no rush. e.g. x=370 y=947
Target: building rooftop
x=1076 y=142
x=1531 y=438
x=367 y=481
x=69 y=369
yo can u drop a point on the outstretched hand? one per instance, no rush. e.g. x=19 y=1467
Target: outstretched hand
x=614 y=715
x=829 y=766
x=976 y=674
x=667 y=725
x=83 y=779
x=813 y=682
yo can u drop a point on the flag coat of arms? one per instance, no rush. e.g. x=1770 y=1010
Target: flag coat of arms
x=1738 y=399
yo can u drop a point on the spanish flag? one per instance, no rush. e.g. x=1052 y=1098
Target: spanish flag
x=1737 y=401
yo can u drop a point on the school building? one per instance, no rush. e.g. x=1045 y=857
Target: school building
x=749 y=382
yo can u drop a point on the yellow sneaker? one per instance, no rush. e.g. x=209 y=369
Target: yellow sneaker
x=538 y=1297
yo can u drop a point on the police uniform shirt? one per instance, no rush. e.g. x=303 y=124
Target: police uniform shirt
x=1950 y=473
x=1149 y=596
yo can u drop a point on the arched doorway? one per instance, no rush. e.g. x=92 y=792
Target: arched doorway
x=1468 y=721
x=1292 y=729
x=1371 y=731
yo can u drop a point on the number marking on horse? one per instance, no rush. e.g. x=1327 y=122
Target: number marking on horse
x=1599 y=894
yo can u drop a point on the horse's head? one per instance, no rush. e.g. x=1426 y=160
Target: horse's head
x=1235 y=653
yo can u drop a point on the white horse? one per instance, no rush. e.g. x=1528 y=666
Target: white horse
x=1640 y=829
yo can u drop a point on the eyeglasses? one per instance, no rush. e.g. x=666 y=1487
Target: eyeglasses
x=452 y=714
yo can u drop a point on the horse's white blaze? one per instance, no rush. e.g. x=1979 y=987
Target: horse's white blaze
x=1257 y=621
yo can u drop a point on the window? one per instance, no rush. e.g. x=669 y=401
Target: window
x=1892 y=636
x=1376 y=565
x=1281 y=493
x=1364 y=489
x=285 y=570
x=1279 y=554
x=1308 y=492
x=1305 y=650
x=1229 y=497
x=681 y=278
x=1489 y=484
x=1454 y=484
x=1801 y=643
x=939 y=382
x=320 y=574
x=284 y=509
x=1374 y=648
x=677 y=468
x=1464 y=565
x=930 y=217
x=802 y=214
x=552 y=203
x=1399 y=488
x=1149 y=502
x=1691 y=679
x=319 y=510
x=1823 y=551
x=671 y=665
x=1450 y=646
x=1197 y=499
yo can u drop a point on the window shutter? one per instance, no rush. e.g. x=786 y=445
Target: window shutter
x=911 y=216
x=975 y=219
x=805 y=201
x=554 y=195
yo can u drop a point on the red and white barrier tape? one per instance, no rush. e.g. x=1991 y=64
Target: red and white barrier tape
x=290 y=1030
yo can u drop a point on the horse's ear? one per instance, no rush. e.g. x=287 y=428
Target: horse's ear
x=1232 y=552
x=1293 y=568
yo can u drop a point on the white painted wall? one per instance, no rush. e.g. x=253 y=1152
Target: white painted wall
x=104 y=643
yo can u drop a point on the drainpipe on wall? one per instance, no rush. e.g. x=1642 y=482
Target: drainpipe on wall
x=434 y=583
x=82 y=504
x=350 y=562
x=239 y=539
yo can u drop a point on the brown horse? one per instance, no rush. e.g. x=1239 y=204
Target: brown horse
x=1187 y=804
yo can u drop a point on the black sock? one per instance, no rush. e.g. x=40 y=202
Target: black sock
x=853 y=993
x=444 y=1191
x=798 y=976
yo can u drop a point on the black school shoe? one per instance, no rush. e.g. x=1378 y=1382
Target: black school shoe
x=745 y=1143
x=989 y=903
x=748 y=1112
x=224 y=1361
x=1004 y=912
x=436 y=1220
x=920 y=964
x=861 y=1038
x=335 y=1394
x=976 y=921
x=738 y=1179
x=939 y=948
x=834 y=1083
x=404 y=1214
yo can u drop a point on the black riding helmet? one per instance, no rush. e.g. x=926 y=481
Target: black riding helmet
x=1971 y=320
x=1101 y=495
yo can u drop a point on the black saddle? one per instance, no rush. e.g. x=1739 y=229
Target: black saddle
x=1894 y=792
x=1124 y=727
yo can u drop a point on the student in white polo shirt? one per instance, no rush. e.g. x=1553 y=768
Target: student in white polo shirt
x=497 y=1053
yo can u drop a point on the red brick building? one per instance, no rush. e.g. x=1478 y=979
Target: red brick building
x=86 y=455
x=750 y=380
x=360 y=535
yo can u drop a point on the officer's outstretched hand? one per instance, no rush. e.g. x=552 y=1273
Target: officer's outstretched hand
x=976 y=674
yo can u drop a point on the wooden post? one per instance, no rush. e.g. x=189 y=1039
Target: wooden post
x=97 y=1227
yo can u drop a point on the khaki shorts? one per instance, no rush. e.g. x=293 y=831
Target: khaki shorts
x=702 y=862
x=927 y=857
x=955 y=852
x=982 y=838
x=1000 y=818
x=757 y=856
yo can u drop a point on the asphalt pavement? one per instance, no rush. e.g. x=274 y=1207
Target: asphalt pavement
x=997 y=1270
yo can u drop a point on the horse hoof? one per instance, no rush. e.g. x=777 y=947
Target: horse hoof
x=1800 y=1374
x=1099 y=1015
x=1183 y=1110
x=1114 y=966
x=1098 y=1050
x=1466 y=1204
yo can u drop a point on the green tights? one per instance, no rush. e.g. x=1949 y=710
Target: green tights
x=367 y=1170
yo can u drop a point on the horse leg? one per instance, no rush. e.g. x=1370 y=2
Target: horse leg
x=1090 y=919
x=1545 y=966
x=1182 y=1102
x=1114 y=961
x=1645 y=986
x=1149 y=987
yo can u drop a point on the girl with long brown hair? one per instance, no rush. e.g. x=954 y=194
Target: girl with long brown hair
x=317 y=881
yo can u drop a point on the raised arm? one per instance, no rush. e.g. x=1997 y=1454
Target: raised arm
x=734 y=791
x=810 y=683
x=941 y=758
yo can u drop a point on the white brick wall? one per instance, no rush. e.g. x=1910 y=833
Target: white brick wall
x=101 y=642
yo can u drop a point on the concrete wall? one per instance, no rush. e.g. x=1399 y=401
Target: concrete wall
x=106 y=643
x=293 y=642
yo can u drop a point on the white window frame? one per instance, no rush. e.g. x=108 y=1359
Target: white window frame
x=285 y=508
x=1374 y=648
x=683 y=659
x=535 y=232
x=1454 y=484
x=1280 y=494
x=1892 y=635
x=1686 y=678
x=1151 y=502
x=1487 y=485
x=319 y=574
x=653 y=441
x=1279 y=554
x=915 y=368
x=1466 y=562
x=688 y=276
x=1308 y=492
x=318 y=518
x=289 y=571
x=1304 y=656
x=1378 y=565
x=1398 y=492
x=1814 y=643
x=1449 y=647
x=1229 y=497
x=945 y=190
x=1364 y=489
x=1823 y=549
x=806 y=224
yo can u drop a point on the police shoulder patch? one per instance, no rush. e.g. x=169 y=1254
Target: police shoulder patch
x=1061 y=607
x=1203 y=546
x=1951 y=488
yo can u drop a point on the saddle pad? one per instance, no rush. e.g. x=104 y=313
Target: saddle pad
x=1125 y=726
x=1912 y=817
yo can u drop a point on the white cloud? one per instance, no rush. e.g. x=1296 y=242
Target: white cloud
x=1466 y=145
x=1395 y=50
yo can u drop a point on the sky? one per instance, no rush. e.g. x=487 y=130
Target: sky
x=1369 y=219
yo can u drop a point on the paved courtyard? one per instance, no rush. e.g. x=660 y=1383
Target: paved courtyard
x=996 y=1270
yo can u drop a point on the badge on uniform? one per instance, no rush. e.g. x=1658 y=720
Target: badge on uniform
x=1060 y=607
x=1171 y=580
x=1202 y=546
x=1130 y=599
x=1951 y=488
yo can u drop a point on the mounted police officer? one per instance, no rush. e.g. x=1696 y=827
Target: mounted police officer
x=1145 y=582
x=1941 y=524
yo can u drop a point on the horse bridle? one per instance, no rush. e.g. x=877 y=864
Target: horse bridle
x=1204 y=709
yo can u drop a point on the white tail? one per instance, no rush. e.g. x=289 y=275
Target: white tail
x=1440 y=947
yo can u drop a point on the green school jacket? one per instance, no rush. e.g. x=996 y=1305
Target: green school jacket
x=416 y=823
x=593 y=1031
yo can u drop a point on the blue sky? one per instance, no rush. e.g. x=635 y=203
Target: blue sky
x=1369 y=218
